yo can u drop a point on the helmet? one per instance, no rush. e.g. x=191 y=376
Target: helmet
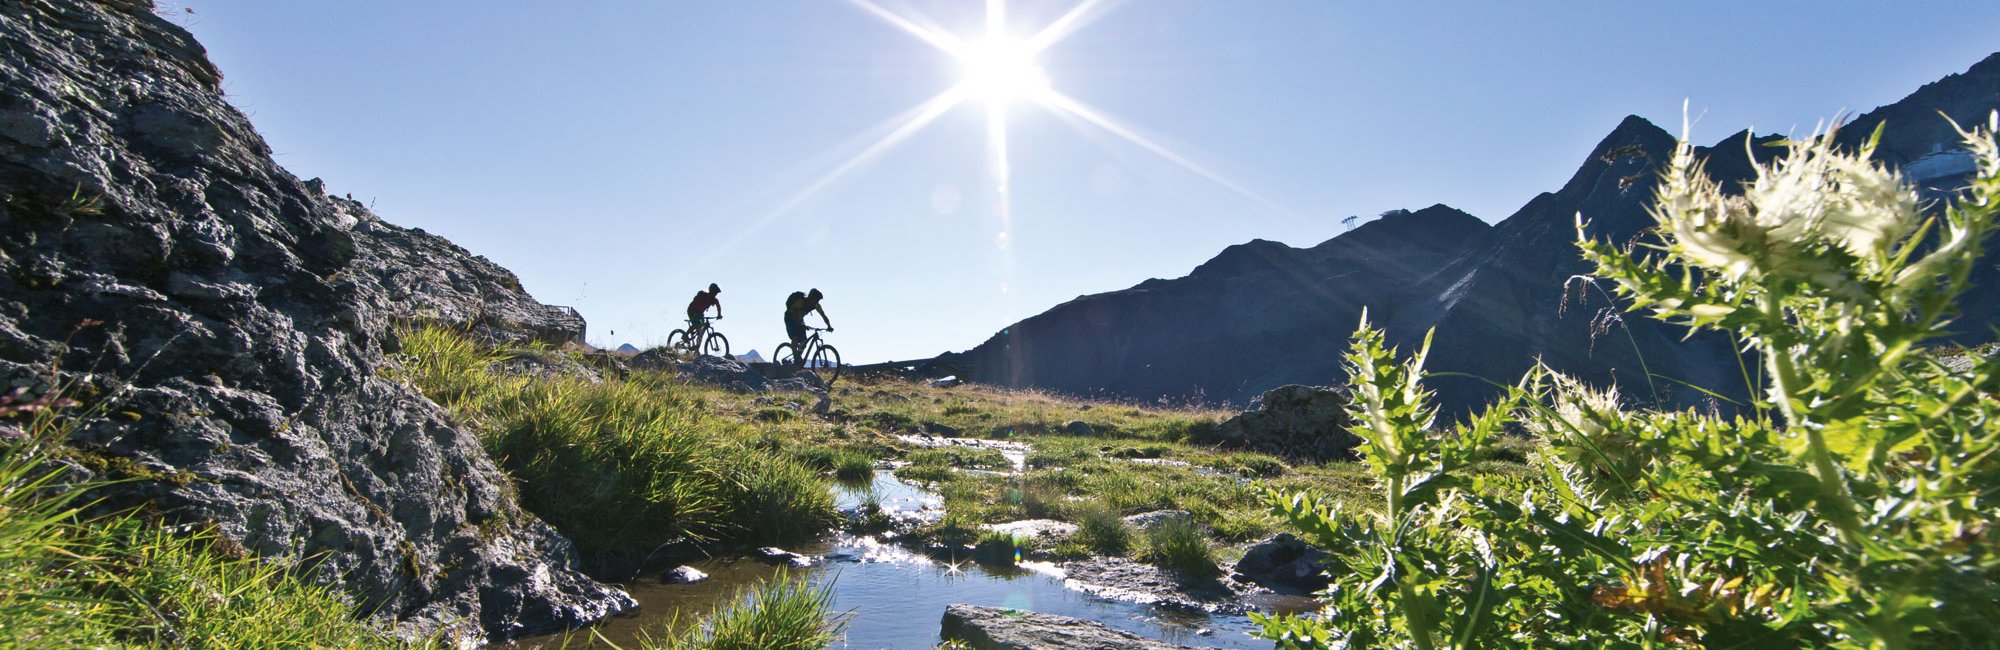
x=714 y=289
x=815 y=294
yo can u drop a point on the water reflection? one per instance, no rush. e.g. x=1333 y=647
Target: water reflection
x=895 y=597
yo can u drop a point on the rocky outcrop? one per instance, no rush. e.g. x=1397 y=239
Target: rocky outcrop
x=994 y=628
x=1299 y=422
x=729 y=373
x=234 y=324
x=1501 y=298
x=1283 y=563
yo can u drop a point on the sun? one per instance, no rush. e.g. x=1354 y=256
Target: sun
x=1002 y=70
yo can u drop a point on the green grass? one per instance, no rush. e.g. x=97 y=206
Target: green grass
x=1136 y=460
x=1103 y=532
x=67 y=580
x=774 y=501
x=1179 y=545
x=853 y=467
x=782 y=613
x=623 y=465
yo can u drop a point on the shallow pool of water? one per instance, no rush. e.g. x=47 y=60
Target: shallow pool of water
x=895 y=598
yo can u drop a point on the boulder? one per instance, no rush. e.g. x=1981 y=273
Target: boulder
x=994 y=628
x=1283 y=563
x=682 y=575
x=1305 y=423
x=1078 y=428
x=1145 y=521
x=159 y=263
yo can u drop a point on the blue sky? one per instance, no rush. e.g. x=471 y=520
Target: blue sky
x=621 y=155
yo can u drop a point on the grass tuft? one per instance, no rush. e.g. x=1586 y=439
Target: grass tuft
x=1103 y=532
x=1178 y=544
x=782 y=613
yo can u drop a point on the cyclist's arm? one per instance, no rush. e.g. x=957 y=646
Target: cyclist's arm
x=823 y=318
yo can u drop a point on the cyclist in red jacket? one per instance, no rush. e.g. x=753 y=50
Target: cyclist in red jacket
x=698 y=309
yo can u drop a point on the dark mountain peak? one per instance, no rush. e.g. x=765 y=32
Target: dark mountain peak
x=1437 y=217
x=1439 y=228
x=1612 y=179
x=1736 y=157
x=1632 y=135
x=1253 y=254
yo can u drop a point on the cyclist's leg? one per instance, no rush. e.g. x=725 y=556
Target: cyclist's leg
x=797 y=331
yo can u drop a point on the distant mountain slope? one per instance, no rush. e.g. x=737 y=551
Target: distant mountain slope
x=1263 y=314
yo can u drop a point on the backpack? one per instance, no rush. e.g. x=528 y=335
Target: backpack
x=795 y=303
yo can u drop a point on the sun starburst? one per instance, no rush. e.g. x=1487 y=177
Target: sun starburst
x=1002 y=71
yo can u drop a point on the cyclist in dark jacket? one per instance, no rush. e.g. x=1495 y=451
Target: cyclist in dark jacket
x=797 y=306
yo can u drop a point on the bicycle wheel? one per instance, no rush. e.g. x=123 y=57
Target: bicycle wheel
x=826 y=361
x=717 y=345
x=781 y=355
x=677 y=340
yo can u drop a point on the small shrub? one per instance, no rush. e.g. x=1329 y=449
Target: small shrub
x=781 y=613
x=853 y=467
x=1103 y=532
x=1849 y=505
x=1178 y=544
x=778 y=501
x=1004 y=549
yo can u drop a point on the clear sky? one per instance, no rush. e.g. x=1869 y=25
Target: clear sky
x=621 y=155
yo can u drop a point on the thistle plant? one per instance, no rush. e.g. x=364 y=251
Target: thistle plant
x=1852 y=505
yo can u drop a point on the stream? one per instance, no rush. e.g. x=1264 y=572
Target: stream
x=895 y=597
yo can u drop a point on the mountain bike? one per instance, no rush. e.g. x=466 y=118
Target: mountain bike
x=818 y=357
x=702 y=340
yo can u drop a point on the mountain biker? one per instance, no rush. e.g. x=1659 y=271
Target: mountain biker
x=797 y=306
x=698 y=308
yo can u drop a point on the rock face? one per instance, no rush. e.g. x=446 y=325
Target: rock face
x=993 y=628
x=1283 y=563
x=155 y=260
x=1262 y=314
x=1298 y=422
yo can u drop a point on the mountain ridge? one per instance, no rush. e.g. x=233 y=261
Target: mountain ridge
x=1500 y=297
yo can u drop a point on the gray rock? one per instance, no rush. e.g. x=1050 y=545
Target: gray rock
x=1078 y=428
x=993 y=628
x=1299 y=422
x=1145 y=521
x=1137 y=582
x=1040 y=529
x=247 y=319
x=1283 y=563
x=779 y=556
x=683 y=576
x=731 y=373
